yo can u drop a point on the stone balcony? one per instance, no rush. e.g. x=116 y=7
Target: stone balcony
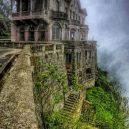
x=59 y=15
x=74 y=22
x=30 y=15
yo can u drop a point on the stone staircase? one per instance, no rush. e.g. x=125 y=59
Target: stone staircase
x=72 y=110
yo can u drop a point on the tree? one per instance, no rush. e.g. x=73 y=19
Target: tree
x=5 y=8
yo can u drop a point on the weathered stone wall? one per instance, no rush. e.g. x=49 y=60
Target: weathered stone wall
x=17 y=108
x=49 y=64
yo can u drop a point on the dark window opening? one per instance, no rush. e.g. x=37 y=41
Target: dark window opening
x=22 y=34
x=78 y=59
x=68 y=58
x=72 y=34
x=88 y=71
x=39 y=5
x=86 y=54
x=25 y=5
x=56 y=32
x=31 y=34
x=42 y=33
x=45 y=4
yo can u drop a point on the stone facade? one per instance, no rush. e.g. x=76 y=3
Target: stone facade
x=46 y=21
x=39 y=20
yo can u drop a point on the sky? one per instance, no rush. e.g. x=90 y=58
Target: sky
x=108 y=22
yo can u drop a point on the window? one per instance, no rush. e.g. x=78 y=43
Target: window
x=86 y=55
x=56 y=32
x=72 y=34
x=25 y=5
x=57 y=5
x=66 y=32
x=42 y=33
x=68 y=58
x=90 y=54
x=31 y=33
x=88 y=71
x=22 y=34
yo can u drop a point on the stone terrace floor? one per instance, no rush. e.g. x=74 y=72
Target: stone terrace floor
x=5 y=54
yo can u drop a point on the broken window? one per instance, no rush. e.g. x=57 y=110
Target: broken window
x=56 y=32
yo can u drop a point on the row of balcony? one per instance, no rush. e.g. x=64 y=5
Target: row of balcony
x=52 y=14
x=45 y=13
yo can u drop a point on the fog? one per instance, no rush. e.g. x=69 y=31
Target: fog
x=108 y=21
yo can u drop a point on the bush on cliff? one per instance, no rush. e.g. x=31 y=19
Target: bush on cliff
x=110 y=107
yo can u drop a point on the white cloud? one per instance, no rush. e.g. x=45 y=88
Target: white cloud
x=108 y=21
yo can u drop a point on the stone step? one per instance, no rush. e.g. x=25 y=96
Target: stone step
x=72 y=99
x=71 y=102
x=73 y=96
x=69 y=110
x=69 y=107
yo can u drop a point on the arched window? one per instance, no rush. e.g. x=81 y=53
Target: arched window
x=22 y=34
x=72 y=34
x=31 y=33
x=56 y=32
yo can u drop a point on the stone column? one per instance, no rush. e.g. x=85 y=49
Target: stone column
x=17 y=35
x=26 y=35
x=36 y=35
x=20 y=7
x=31 y=7
x=13 y=32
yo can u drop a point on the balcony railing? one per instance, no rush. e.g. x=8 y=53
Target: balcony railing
x=15 y=14
x=28 y=14
x=59 y=15
x=25 y=13
x=75 y=22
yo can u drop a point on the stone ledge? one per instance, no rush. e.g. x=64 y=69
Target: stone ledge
x=17 y=107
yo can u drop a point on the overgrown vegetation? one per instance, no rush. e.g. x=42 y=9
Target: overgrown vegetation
x=4 y=18
x=107 y=110
x=111 y=109
x=51 y=87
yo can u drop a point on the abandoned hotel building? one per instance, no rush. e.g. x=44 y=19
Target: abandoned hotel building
x=49 y=31
x=57 y=21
